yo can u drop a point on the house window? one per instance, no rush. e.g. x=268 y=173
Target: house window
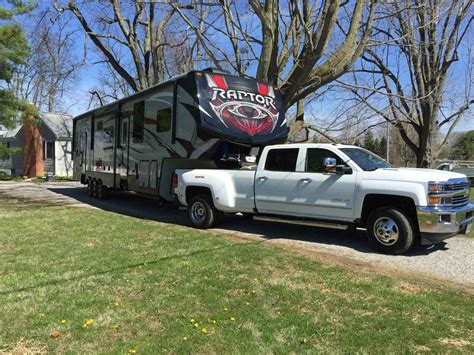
x=48 y=150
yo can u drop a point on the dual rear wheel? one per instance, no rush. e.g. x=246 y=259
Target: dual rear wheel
x=96 y=189
x=202 y=213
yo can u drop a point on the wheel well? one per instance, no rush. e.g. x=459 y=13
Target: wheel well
x=375 y=201
x=197 y=190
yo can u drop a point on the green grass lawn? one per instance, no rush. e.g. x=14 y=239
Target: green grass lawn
x=111 y=283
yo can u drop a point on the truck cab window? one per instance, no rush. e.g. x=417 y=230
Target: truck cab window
x=315 y=157
x=282 y=159
x=138 y=122
x=163 y=120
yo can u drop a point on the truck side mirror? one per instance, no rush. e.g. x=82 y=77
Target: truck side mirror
x=329 y=165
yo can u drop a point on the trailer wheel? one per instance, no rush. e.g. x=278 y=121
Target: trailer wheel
x=90 y=188
x=202 y=213
x=390 y=230
x=102 y=190
x=94 y=188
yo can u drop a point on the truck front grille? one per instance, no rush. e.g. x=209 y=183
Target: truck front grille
x=457 y=187
x=459 y=200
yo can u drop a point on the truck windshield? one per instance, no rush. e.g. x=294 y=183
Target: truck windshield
x=366 y=160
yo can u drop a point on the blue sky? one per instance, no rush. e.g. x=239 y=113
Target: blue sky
x=78 y=99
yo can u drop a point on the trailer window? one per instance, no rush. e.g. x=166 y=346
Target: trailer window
x=163 y=120
x=138 y=122
x=125 y=133
x=282 y=159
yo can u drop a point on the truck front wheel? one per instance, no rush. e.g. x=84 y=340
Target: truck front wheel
x=390 y=230
x=202 y=212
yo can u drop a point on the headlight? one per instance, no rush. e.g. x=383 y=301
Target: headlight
x=436 y=187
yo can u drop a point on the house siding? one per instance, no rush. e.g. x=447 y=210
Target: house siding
x=63 y=161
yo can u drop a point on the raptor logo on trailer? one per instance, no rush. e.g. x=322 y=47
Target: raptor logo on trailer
x=250 y=112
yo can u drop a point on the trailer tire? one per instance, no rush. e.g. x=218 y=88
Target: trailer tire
x=102 y=190
x=390 y=230
x=90 y=187
x=202 y=212
x=94 y=188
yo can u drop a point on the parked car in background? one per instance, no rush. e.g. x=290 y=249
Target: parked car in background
x=459 y=166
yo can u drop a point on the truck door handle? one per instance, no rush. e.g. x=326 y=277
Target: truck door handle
x=262 y=178
x=306 y=180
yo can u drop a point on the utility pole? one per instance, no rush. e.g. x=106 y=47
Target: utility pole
x=388 y=141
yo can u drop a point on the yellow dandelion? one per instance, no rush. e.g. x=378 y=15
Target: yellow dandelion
x=232 y=318
x=253 y=291
x=115 y=326
x=63 y=321
x=196 y=325
x=226 y=309
x=247 y=303
x=192 y=320
x=132 y=351
x=214 y=322
x=116 y=304
x=185 y=338
x=88 y=323
x=204 y=330
x=255 y=279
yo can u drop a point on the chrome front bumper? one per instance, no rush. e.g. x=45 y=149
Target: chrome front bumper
x=437 y=224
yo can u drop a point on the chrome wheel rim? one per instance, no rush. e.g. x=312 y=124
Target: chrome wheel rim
x=386 y=231
x=198 y=212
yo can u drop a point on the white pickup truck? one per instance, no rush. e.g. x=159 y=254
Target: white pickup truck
x=334 y=186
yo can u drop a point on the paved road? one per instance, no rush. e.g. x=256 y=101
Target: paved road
x=452 y=260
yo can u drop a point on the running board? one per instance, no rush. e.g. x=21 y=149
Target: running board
x=303 y=222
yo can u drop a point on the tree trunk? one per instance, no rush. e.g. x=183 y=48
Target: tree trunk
x=300 y=110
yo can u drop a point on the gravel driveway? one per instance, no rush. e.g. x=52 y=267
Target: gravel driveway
x=453 y=260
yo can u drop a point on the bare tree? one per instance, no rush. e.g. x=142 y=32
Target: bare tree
x=405 y=77
x=134 y=38
x=298 y=45
x=53 y=65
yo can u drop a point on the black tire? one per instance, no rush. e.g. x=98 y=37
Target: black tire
x=94 y=188
x=390 y=230
x=90 y=188
x=102 y=191
x=202 y=213
x=248 y=216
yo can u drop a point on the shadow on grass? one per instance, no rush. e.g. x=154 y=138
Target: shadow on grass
x=127 y=267
x=130 y=204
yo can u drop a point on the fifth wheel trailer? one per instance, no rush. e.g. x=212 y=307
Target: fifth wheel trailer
x=197 y=120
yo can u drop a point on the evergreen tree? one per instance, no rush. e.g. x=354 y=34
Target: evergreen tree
x=383 y=148
x=14 y=50
x=465 y=147
x=376 y=147
x=369 y=141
